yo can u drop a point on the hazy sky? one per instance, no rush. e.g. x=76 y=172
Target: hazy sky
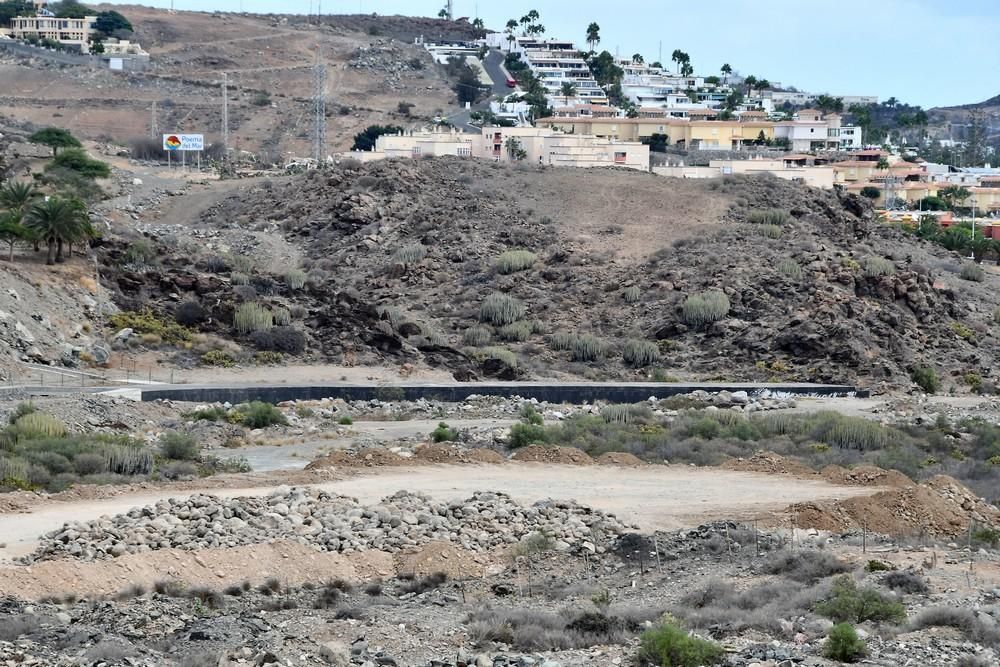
x=927 y=52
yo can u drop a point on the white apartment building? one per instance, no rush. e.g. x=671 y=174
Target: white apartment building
x=554 y=62
x=798 y=98
x=810 y=130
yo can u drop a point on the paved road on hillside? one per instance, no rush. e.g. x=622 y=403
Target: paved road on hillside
x=492 y=66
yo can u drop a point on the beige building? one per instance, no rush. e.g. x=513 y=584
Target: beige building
x=684 y=133
x=71 y=32
x=511 y=144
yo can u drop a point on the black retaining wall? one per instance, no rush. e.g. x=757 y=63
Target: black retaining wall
x=552 y=393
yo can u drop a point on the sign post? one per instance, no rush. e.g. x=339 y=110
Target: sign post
x=183 y=143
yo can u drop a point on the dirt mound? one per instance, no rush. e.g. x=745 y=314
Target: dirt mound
x=542 y=454
x=618 y=459
x=838 y=297
x=453 y=560
x=771 y=464
x=437 y=453
x=941 y=506
x=372 y=457
x=865 y=476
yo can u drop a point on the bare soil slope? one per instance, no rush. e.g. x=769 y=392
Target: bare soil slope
x=269 y=62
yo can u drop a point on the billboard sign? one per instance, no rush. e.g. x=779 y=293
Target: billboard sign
x=183 y=142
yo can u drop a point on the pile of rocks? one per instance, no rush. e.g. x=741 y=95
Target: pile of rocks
x=329 y=522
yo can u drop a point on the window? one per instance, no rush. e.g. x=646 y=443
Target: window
x=464 y=151
x=620 y=157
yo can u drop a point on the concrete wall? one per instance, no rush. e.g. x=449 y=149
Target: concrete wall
x=131 y=63
x=553 y=393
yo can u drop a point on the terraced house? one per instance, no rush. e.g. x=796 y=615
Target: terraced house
x=46 y=25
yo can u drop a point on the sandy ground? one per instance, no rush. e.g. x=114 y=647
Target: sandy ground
x=654 y=497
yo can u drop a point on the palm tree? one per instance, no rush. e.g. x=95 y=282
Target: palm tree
x=12 y=231
x=678 y=57
x=568 y=90
x=510 y=43
x=750 y=82
x=593 y=35
x=59 y=221
x=17 y=196
x=637 y=59
x=726 y=70
x=762 y=84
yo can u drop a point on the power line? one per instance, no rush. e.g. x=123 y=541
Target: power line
x=319 y=102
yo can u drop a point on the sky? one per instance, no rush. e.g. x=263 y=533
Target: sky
x=926 y=52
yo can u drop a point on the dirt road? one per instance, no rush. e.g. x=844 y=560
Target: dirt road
x=653 y=497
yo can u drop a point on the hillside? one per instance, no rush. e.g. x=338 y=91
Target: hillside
x=399 y=257
x=268 y=60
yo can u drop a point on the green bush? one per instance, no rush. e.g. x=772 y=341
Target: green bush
x=640 y=353
x=515 y=331
x=258 y=414
x=789 y=267
x=177 y=446
x=860 y=433
x=282 y=316
x=252 y=316
x=522 y=435
x=925 y=378
x=268 y=358
x=513 y=261
x=771 y=216
x=443 y=433
x=878 y=266
x=589 y=348
x=705 y=307
x=531 y=415
x=345 y=420
x=670 y=646
x=631 y=294
x=146 y=322
x=213 y=414
x=843 y=644
x=241 y=263
x=972 y=272
x=963 y=331
x=501 y=309
x=477 y=335
x=218 y=358
x=847 y=603
x=77 y=160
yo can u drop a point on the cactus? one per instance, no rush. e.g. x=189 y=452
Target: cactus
x=128 y=459
x=640 y=352
x=36 y=425
x=561 y=340
x=409 y=254
x=772 y=216
x=501 y=354
x=625 y=413
x=878 y=266
x=13 y=469
x=477 y=335
x=500 y=309
x=516 y=331
x=252 y=316
x=241 y=263
x=392 y=314
x=789 y=267
x=513 y=261
x=282 y=317
x=705 y=307
x=589 y=348
x=295 y=279
x=632 y=294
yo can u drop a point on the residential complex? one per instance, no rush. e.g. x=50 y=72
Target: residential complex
x=508 y=144
x=45 y=25
x=554 y=63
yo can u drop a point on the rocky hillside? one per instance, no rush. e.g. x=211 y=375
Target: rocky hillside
x=410 y=262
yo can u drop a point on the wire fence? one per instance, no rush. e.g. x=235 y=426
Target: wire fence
x=121 y=370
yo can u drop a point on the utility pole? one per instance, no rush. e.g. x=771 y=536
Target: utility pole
x=319 y=102
x=153 y=129
x=451 y=14
x=225 y=114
